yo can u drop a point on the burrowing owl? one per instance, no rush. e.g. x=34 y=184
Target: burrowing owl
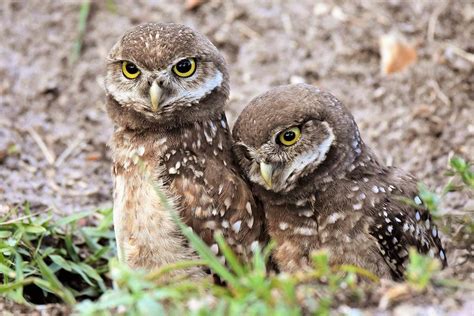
x=166 y=88
x=322 y=187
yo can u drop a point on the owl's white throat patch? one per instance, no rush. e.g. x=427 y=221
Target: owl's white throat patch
x=203 y=89
x=311 y=158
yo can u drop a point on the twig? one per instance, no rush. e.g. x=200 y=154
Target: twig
x=287 y=25
x=19 y=219
x=443 y=97
x=68 y=151
x=434 y=20
x=53 y=185
x=248 y=31
x=72 y=193
x=462 y=53
x=48 y=154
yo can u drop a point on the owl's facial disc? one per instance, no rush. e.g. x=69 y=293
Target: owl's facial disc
x=155 y=92
x=290 y=155
x=164 y=76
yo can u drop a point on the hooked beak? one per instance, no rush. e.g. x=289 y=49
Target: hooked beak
x=266 y=171
x=155 y=95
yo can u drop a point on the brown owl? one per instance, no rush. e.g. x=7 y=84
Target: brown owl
x=322 y=187
x=166 y=89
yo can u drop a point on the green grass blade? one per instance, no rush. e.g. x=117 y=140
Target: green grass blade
x=92 y=274
x=101 y=253
x=5 y=288
x=4 y=234
x=91 y=243
x=19 y=276
x=71 y=249
x=207 y=255
x=359 y=271
x=34 y=229
x=229 y=255
x=181 y=265
x=6 y=271
x=55 y=285
x=72 y=218
x=60 y=261
x=83 y=16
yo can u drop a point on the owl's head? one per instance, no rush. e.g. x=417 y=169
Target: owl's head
x=164 y=75
x=295 y=136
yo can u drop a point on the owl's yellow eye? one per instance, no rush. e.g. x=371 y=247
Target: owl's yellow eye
x=290 y=136
x=185 y=67
x=130 y=70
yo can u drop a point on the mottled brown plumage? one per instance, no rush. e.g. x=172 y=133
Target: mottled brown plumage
x=328 y=190
x=171 y=134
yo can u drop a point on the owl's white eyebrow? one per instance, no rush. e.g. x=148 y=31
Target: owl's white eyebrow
x=176 y=60
x=278 y=131
x=121 y=60
x=113 y=60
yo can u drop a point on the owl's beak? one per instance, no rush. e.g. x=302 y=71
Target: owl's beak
x=266 y=171
x=155 y=96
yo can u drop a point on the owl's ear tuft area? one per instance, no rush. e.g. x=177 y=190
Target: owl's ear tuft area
x=115 y=52
x=241 y=151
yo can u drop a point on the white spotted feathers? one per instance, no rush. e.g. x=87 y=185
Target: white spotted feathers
x=172 y=148
x=213 y=196
x=345 y=200
x=397 y=230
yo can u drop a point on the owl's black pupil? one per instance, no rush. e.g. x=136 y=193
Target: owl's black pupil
x=183 y=65
x=289 y=136
x=131 y=68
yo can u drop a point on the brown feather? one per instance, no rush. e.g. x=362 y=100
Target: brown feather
x=348 y=202
x=183 y=150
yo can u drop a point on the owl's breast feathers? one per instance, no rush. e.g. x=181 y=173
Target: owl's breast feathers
x=192 y=167
x=213 y=197
x=224 y=204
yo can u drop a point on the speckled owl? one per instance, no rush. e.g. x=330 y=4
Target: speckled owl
x=322 y=187
x=166 y=89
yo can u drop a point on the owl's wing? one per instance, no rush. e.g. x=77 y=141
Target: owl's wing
x=401 y=224
x=220 y=200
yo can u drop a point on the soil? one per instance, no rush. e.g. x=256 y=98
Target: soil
x=54 y=130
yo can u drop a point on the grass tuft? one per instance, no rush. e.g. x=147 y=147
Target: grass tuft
x=42 y=262
x=72 y=260
x=81 y=30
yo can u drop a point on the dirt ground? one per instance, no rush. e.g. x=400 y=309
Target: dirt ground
x=54 y=130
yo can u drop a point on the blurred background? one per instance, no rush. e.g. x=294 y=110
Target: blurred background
x=404 y=68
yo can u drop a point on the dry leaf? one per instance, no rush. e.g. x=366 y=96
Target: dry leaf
x=193 y=4
x=396 y=53
x=423 y=111
x=94 y=156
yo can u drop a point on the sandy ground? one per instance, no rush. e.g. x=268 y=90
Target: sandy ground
x=54 y=131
